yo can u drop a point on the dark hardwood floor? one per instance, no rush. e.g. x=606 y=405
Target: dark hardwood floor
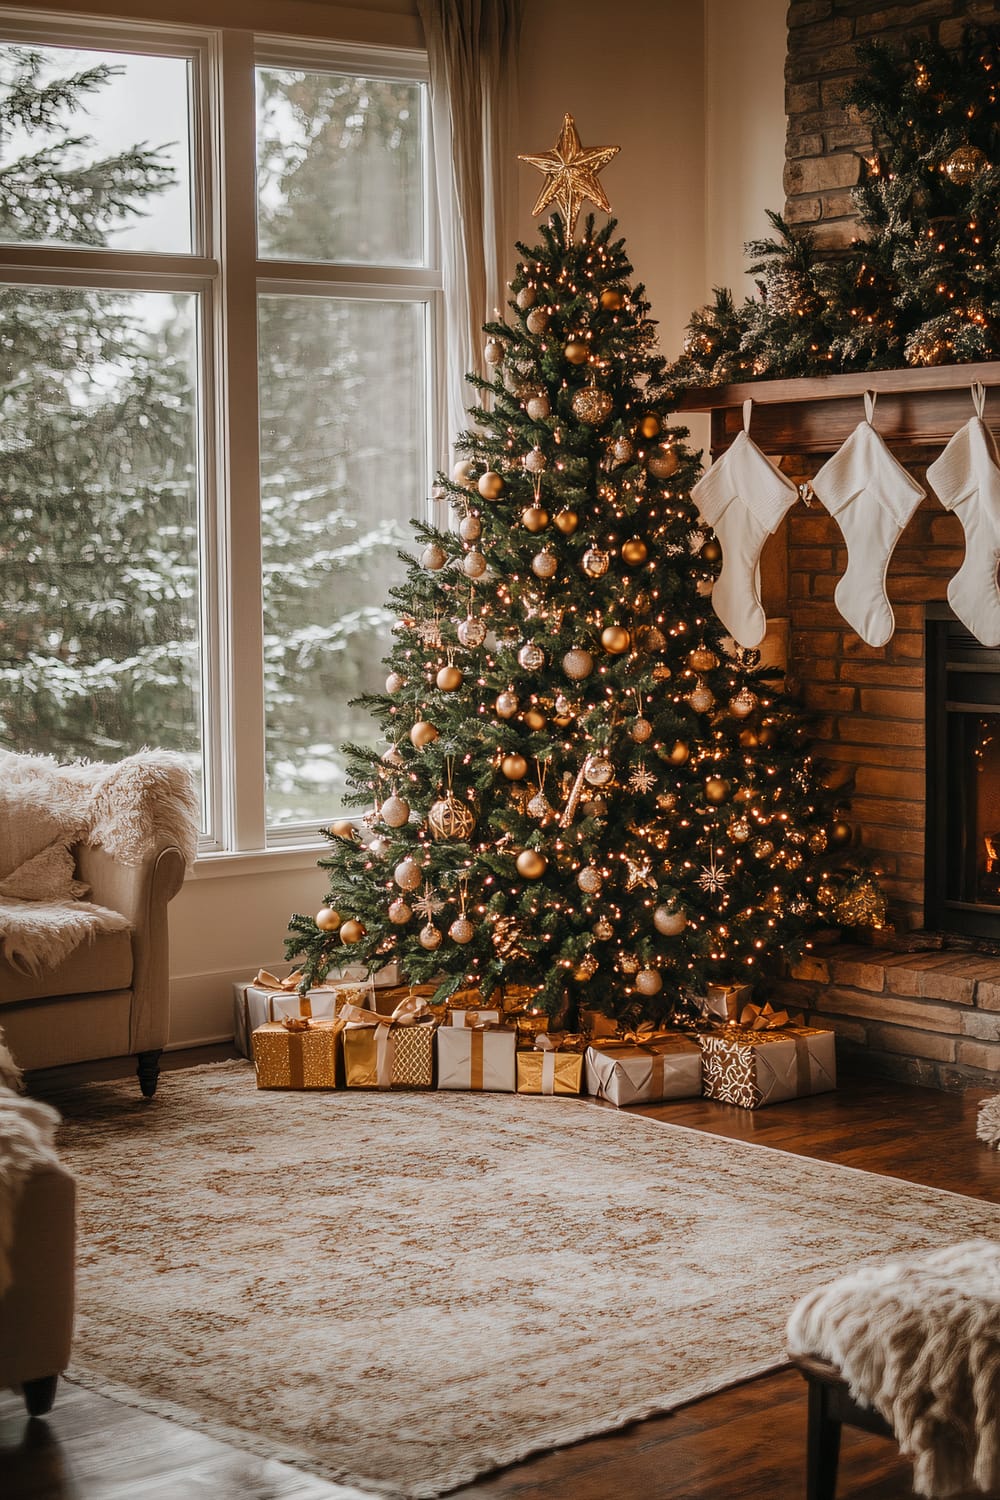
x=747 y=1443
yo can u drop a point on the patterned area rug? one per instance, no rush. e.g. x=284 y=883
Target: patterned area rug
x=404 y=1292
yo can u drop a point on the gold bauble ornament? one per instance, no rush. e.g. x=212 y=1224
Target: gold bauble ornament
x=648 y=982
x=535 y=518
x=717 y=789
x=669 y=920
x=840 y=833
x=351 y=931
x=399 y=912
x=701 y=659
x=592 y=405
x=663 y=462
x=537 y=320
x=394 y=683
x=535 y=462
x=965 y=164
x=423 y=733
x=538 y=406
x=622 y=450
x=494 y=352
x=578 y=663
x=462 y=473
x=407 y=874
x=392 y=757
x=566 y=521
x=531 y=865
x=634 y=551
x=629 y=964
x=666 y=801
x=490 y=485
x=586 y=968
x=506 y=705
x=817 y=842
x=653 y=639
x=742 y=703
x=649 y=426
x=748 y=739
x=526 y=297
x=449 y=818
x=328 y=920
x=766 y=736
x=534 y=718
x=395 y=811
x=429 y=937
x=640 y=730
x=612 y=300
x=793 y=859
x=589 y=880
x=739 y=830
x=450 y=679
x=711 y=552
x=701 y=698
x=595 y=562
x=461 y=930
x=603 y=930
x=598 y=771
x=544 y=564
x=679 y=753
x=531 y=657
x=576 y=352
x=763 y=849
x=470 y=528
x=514 y=767
x=471 y=632
x=616 y=639
x=344 y=829
x=473 y=565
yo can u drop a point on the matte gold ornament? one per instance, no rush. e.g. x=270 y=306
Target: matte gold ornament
x=616 y=639
x=462 y=473
x=534 y=718
x=490 y=485
x=566 y=521
x=622 y=450
x=669 y=920
x=514 y=767
x=611 y=299
x=603 y=930
x=748 y=739
x=494 y=352
x=470 y=528
x=649 y=426
x=679 y=753
x=429 y=937
x=538 y=406
x=506 y=705
x=531 y=657
x=537 y=320
x=394 y=683
x=531 y=865
x=598 y=770
x=344 y=829
x=471 y=632
x=407 y=874
x=589 y=880
x=711 y=552
x=473 y=565
x=395 y=811
x=742 y=703
x=576 y=351
x=634 y=551
x=449 y=818
x=535 y=462
x=965 y=164
x=702 y=659
x=640 y=730
x=663 y=463
x=648 y=982
x=717 y=789
x=535 y=518
x=578 y=663
x=328 y=920
x=840 y=833
x=592 y=405
x=400 y=912
x=544 y=564
x=422 y=734
x=526 y=297
x=461 y=930
x=392 y=757
x=351 y=931
x=450 y=679
x=701 y=698
x=570 y=175
x=595 y=562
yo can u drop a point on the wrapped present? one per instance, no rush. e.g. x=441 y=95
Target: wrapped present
x=752 y=1068
x=723 y=1002
x=477 y=1017
x=477 y=1057
x=297 y=1053
x=644 y=1069
x=596 y=1025
x=380 y=1053
x=529 y=1024
x=267 y=998
x=518 y=998
x=554 y=1065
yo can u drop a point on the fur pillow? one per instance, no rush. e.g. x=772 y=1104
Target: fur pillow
x=48 y=876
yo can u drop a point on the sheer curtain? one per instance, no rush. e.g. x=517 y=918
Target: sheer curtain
x=472 y=52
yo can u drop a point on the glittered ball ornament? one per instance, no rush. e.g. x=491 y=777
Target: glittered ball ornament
x=449 y=818
x=470 y=528
x=506 y=705
x=603 y=930
x=634 y=551
x=592 y=405
x=473 y=565
x=589 y=880
x=965 y=164
x=566 y=521
x=742 y=703
x=514 y=767
x=433 y=557
x=649 y=426
x=328 y=920
x=534 y=518
x=471 y=633
x=399 y=912
x=395 y=811
x=535 y=461
x=763 y=849
x=702 y=659
x=595 y=562
x=407 y=874
x=576 y=352
x=423 y=733
x=531 y=657
x=537 y=320
x=538 y=407
x=640 y=730
x=669 y=920
x=653 y=639
x=526 y=297
x=578 y=663
x=598 y=771
x=648 y=982
x=392 y=757
x=586 y=968
x=666 y=801
x=611 y=299
x=462 y=473
x=663 y=463
x=739 y=830
x=701 y=698
x=461 y=930
x=622 y=450
x=450 y=679
x=394 y=683
x=817 y=842
x=490 y=485
x=531 y=865
x=545 y=564
x=429 y=937
x=351 y=931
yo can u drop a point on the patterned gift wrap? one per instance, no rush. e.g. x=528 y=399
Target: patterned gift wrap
x=753 y=1068
x=629 y=1072
x=255 y=1005
x=287 y=1059
x=477 y=1059
x=549 y=1072
x=389 y=1057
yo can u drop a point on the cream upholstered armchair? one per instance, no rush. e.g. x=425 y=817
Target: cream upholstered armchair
x=90 y=855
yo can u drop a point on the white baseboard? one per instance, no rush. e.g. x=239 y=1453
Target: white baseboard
x=201 y=1005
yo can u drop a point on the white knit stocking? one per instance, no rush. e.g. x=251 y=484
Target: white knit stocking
x=743 y=497
x=966 y=479
x=871 y=497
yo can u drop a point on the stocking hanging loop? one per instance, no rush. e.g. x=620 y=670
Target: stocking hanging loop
x=747 y=408
x=978 y=397
x=870 y=398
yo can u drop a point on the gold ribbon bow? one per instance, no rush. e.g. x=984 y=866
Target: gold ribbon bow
x=561 y=1041
x=766 y=1018
x=266 y=981
x=410 y=1009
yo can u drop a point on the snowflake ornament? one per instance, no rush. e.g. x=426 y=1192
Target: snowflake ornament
x=429 y=904
x=641 y=779
x=712 y=879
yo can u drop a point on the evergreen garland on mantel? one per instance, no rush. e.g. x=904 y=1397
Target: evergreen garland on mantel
x=921 y=284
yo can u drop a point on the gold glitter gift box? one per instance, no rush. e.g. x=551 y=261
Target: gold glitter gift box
x=389 y=1057
x=550 y=1070
x=297 y=1059
x=753 y=1068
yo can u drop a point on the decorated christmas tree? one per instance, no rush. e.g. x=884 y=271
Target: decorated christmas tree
x=919 y=286
x=587 y=788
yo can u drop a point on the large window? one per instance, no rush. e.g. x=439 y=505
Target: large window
x=216 y=372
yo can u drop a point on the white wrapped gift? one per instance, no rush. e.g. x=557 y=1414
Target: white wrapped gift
x=643 y=1072
x=474 y=1058
x=267 y=999
x=474 y=1017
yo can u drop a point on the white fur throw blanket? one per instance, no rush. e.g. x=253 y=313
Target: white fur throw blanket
x=919 y=1341
x=27 y=1132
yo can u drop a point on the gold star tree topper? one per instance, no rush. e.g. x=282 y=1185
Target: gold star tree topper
x=571 y=175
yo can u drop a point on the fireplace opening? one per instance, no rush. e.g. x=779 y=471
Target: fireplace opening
x=962 y=869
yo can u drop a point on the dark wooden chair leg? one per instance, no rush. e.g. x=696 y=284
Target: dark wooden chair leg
x=148 y=1071
x=823 y=1445
x=39 y=1394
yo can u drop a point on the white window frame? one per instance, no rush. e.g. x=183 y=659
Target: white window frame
x=225 y=272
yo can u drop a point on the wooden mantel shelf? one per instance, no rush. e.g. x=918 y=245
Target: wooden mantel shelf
x=915 y=407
